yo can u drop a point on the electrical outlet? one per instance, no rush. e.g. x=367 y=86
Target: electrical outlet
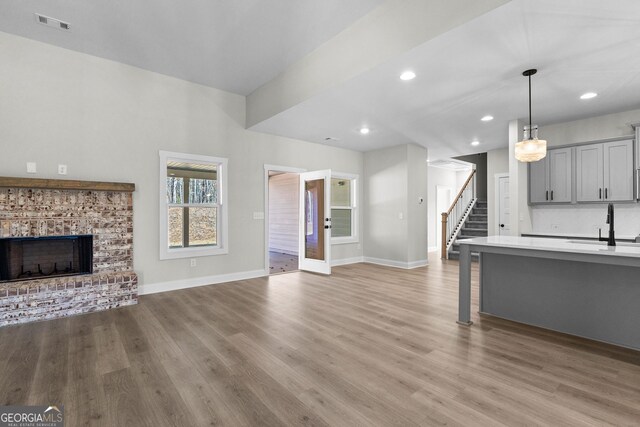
x=193 y=262
x=32 y=167
x=555 y=227
x=62 y=169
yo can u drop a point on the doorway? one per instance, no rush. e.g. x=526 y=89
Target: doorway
x=281 y=218
x=503 y=210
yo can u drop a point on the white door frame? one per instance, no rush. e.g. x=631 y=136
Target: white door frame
x=496 y=202
x=267 y=169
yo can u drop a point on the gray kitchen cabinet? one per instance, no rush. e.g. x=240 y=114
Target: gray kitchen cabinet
x=560 y=175
x=538 y=181
x=605 y=172
x=550 y=179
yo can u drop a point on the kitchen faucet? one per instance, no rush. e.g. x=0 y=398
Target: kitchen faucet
x=611 y=240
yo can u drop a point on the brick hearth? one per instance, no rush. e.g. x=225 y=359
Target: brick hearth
x=107 y=215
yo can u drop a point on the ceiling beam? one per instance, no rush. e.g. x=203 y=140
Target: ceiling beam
x=393 y=28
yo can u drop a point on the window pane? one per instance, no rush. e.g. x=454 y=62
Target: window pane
x=202 y=191
x=340 y=222
x=340 y=192
x=175 y=189
x=202 y=226
x=176 y=227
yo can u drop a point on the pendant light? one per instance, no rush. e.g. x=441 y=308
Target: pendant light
x=531 y=149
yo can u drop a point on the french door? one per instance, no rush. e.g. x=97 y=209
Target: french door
x=315 y=222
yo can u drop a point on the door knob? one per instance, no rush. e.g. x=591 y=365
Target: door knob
x=502 y=225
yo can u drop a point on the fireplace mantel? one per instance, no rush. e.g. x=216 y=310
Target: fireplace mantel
x=65 y=184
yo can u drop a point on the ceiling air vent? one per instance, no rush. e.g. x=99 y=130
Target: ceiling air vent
x=52 y=22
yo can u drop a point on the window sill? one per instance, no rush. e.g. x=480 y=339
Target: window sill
x=192 y=252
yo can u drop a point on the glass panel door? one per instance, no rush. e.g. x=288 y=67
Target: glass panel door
x=315 y=222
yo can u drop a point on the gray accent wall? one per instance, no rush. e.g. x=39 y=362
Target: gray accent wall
x=480 y=160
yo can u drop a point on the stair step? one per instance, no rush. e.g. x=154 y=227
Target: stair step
x=479 y=211
x=478 y=217
x=476 y=224
x=473 y=231
x=481 y=203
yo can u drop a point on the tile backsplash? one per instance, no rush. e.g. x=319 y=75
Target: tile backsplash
x=586 y=219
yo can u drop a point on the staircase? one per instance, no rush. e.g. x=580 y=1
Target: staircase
x=474 y=226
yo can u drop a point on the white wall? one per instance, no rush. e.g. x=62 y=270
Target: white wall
x=107 y=121
x=497 y=162
x=284 y=206
x=386 y=181
x=395 y=231
x=585 y=219
x=417 y=210
x=437 y=177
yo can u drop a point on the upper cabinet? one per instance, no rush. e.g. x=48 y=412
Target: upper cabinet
x=560 y=175
x=605 y=172
x=550 y=179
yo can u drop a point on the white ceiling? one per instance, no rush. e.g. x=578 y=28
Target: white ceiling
x=233 y=45
x=474 y=70
x=462 y=75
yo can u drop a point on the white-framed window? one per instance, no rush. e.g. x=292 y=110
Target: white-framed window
x=344 y=208
x=193 y=205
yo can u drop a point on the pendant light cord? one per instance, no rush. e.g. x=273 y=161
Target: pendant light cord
x=530 y=126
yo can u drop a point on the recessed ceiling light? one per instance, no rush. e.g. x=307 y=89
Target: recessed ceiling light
x=487 y=118
x=407 y=75
x=588 y=95
x=475 y=143
x=364 y=130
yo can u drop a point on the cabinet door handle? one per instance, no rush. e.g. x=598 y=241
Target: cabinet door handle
x=546 y=195
x=600 y=193
x=551 y=194
x=606 y=193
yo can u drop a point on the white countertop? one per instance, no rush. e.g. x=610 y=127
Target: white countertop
x=627 y=250
x=577 y=235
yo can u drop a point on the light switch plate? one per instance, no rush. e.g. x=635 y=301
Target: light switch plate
x=32 y=167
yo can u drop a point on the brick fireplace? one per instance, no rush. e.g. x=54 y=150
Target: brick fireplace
x=66 y=248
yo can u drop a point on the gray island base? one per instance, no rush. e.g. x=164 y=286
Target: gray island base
x=580 y=288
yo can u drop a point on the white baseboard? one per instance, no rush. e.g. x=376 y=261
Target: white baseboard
x=154 y=288
x=345 y=261
x=396 y=264
x=416 y=264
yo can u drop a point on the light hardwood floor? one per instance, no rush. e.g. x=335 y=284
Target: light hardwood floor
x=369 y=345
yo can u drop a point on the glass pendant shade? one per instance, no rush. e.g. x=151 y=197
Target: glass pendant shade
x=531 y=150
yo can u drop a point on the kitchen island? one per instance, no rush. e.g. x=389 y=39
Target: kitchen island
x=577 y=287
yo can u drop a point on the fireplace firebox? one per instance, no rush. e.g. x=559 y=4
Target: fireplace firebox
x=27 y=258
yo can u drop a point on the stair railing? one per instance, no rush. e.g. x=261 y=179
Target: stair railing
x=454 y=218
